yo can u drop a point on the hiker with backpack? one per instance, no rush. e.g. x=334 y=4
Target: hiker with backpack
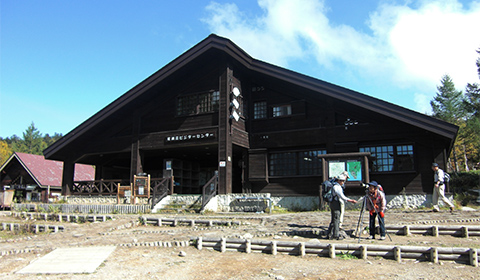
x=336 y=195
x=439 y=188
x=376 y=205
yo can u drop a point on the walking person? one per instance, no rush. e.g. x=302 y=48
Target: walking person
x=376 y=204
x=439 y=188
x=334 y=227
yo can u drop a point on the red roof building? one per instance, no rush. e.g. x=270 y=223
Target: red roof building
x=27 y=173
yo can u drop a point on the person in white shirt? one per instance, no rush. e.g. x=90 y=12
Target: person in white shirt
x=439 y=188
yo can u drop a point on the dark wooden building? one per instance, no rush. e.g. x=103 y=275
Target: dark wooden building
x=264 y=128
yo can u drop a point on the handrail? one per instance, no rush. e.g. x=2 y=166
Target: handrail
x=160 y=188
x=98 y=187
x=209 y=190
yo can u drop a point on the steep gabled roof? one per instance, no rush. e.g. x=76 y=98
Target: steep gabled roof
x=213 y=41
x=49 y=172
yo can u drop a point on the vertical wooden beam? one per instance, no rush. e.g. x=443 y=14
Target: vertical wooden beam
x=136 y=165
x=367 y=168
x=67 y=177
x=225 y=150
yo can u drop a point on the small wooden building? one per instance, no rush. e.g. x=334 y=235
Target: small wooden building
x=33 y=178
x=265 y=129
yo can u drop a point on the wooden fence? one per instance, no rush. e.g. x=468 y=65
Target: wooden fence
x=331 y=250
x=189 y=222
x=461 y=231
x=62 y=217
x=31 y=227
x=85 y=208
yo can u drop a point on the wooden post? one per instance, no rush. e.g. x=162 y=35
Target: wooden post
x=331 y=251
x=199 y=242
x=364 y=252
x=223 y=245
x=302 y=248
x=473 y=257
x=274 y=248
x=397 y=251
x=435 y=231
x=465 y=232
x=248 y=246
x=406 y=230
x=434 y=255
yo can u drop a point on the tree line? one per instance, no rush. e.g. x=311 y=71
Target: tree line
x=32 y=142
x=462 y=109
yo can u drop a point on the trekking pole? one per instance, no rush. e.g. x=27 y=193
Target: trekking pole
x=380 y=220
x=360 y=219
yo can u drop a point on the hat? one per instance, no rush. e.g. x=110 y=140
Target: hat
x=345 y=173
x=434 y=164
x=373 y=183
x=341 y=177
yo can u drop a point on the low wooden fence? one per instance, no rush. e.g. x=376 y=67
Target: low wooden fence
x=62 y=217
x=31 y=227
x=85 y=208
x=433 y=254
x=189 y=222
x=461 y=231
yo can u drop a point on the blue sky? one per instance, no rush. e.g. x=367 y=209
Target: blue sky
x=63 y=61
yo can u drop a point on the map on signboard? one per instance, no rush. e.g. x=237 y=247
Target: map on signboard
x=335 y=168
x=354 y=169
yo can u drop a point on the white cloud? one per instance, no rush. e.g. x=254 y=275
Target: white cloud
x=422 y=103
x=410 y=46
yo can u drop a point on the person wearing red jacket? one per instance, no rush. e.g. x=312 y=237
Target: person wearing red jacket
x=376 y=203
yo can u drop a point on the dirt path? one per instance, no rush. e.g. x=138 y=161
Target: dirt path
x=130 y=261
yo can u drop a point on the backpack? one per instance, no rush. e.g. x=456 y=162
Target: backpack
x=327 y=191
x=446 y=177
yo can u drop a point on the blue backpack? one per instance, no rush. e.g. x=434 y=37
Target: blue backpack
x=327 y=190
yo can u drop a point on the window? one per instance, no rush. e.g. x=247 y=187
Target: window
x=309 y=163
x=260 y=110
x=296 y=163
x=198 y=103
x=283 y=164
x=390 y=158
x=284 y=110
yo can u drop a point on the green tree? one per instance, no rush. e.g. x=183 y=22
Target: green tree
x=448 y=105
x=32 y=142
x=472 y=108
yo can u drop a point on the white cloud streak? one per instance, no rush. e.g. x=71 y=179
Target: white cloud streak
x=409 y=47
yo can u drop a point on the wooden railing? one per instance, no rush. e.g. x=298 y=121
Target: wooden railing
x=97 y=187
x=159 y=188
x=209 y=190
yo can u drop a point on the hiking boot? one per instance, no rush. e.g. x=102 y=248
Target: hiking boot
x=371 y=237
x=382 y=237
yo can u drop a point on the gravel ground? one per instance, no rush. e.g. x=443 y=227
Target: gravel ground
x=174 y=259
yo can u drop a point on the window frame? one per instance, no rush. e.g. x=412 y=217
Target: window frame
x=390 y=160
x=198 y=103
x=260 y=113
x=278 y=110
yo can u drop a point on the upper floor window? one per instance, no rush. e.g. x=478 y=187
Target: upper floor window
x=198 y=103
x=390 y=158
x=284 y=110
x=260 y=110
